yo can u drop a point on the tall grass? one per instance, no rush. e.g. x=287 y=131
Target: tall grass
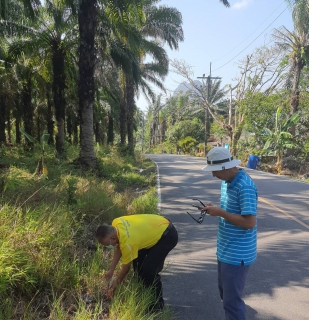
x=50 y=264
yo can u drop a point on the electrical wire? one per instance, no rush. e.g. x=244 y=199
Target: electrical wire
x=251 y=33
x=252 y=41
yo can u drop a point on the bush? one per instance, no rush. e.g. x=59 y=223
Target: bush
x=187 y=145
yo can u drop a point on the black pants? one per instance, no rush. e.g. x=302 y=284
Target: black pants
x=150 y=262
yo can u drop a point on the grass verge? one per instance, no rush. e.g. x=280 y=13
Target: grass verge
x=50 y=264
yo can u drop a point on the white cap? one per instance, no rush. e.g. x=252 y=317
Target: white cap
x=219 y=159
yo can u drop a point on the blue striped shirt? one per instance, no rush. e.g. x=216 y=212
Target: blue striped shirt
x=236 y=244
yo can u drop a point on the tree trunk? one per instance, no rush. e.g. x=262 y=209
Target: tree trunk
x=130 y=113
x=110 y=130
x=87 y=20
x=235 y=137
x=58 y=93
x=75 y=131
x=17 y=132
x=69 y=124
x=298 y=66
x=2 y=121
x=27 y=110
x=8 y=126
x=123 y=121
x=99 y=133
x=49 y=116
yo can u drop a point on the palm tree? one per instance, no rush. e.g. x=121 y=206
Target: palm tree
x=53 y=35
x=14 y=10
x=207 y=98
x=156 y=121
x=297 y=43
x=162 y=25
x=111 y=14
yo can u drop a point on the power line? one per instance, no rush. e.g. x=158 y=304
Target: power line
x=252 y=41
x=250 y=34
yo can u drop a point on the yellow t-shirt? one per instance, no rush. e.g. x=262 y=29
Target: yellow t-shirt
x=138 y=231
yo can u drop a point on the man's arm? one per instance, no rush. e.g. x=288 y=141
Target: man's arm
x=245 y=221
x=117 y=255
x=120 y=276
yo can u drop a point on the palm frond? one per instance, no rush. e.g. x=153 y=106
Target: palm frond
x=226 y=3
x=164 y=23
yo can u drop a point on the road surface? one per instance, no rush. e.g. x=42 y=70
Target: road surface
x=278 y=282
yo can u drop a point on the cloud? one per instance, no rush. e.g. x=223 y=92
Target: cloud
x=241 y=4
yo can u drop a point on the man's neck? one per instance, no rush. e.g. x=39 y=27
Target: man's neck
x=231 y=174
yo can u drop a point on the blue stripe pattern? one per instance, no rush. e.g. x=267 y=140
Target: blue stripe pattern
x=236 y=244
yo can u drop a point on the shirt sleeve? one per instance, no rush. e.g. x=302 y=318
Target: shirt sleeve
x=248 y=200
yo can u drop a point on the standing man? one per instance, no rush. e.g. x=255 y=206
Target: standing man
x=237 y=231
x=145 y=240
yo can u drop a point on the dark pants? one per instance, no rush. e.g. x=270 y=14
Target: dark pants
x=150 y=262
x=231 y=283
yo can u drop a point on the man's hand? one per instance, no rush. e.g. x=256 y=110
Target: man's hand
x=213 y=210
x=108 y=274
x=245 y=221
x=110 y=292
x=208 y=204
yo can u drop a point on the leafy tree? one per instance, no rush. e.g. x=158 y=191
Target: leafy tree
x=279 y=139
x=182 y=129
x=187 y=145
x=297 y=43
x=177 y=108
x=262 y=74
x=256 y=109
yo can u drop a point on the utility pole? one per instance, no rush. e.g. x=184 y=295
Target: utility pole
x=208 y=102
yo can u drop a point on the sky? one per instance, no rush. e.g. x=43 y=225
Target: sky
x=221 y=36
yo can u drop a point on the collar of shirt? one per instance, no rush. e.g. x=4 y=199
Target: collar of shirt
x=236 y=178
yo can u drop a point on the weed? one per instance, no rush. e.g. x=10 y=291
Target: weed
x=48 y=269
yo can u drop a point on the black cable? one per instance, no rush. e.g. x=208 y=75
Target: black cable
x=252 y=41
x=250 y=34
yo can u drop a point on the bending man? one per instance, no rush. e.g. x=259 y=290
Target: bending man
x=145 y=240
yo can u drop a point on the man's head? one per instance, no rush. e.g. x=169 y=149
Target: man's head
x=106 y=235
x=221 y=163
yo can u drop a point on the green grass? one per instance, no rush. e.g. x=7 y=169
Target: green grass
x=50 y=264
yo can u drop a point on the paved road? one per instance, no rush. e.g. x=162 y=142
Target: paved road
x=278 y=282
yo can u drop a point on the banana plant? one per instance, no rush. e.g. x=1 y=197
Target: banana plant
x=41 y=168
x=280 y=139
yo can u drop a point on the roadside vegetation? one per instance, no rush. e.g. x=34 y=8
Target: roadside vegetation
x=51 y=266
x=71 y=135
